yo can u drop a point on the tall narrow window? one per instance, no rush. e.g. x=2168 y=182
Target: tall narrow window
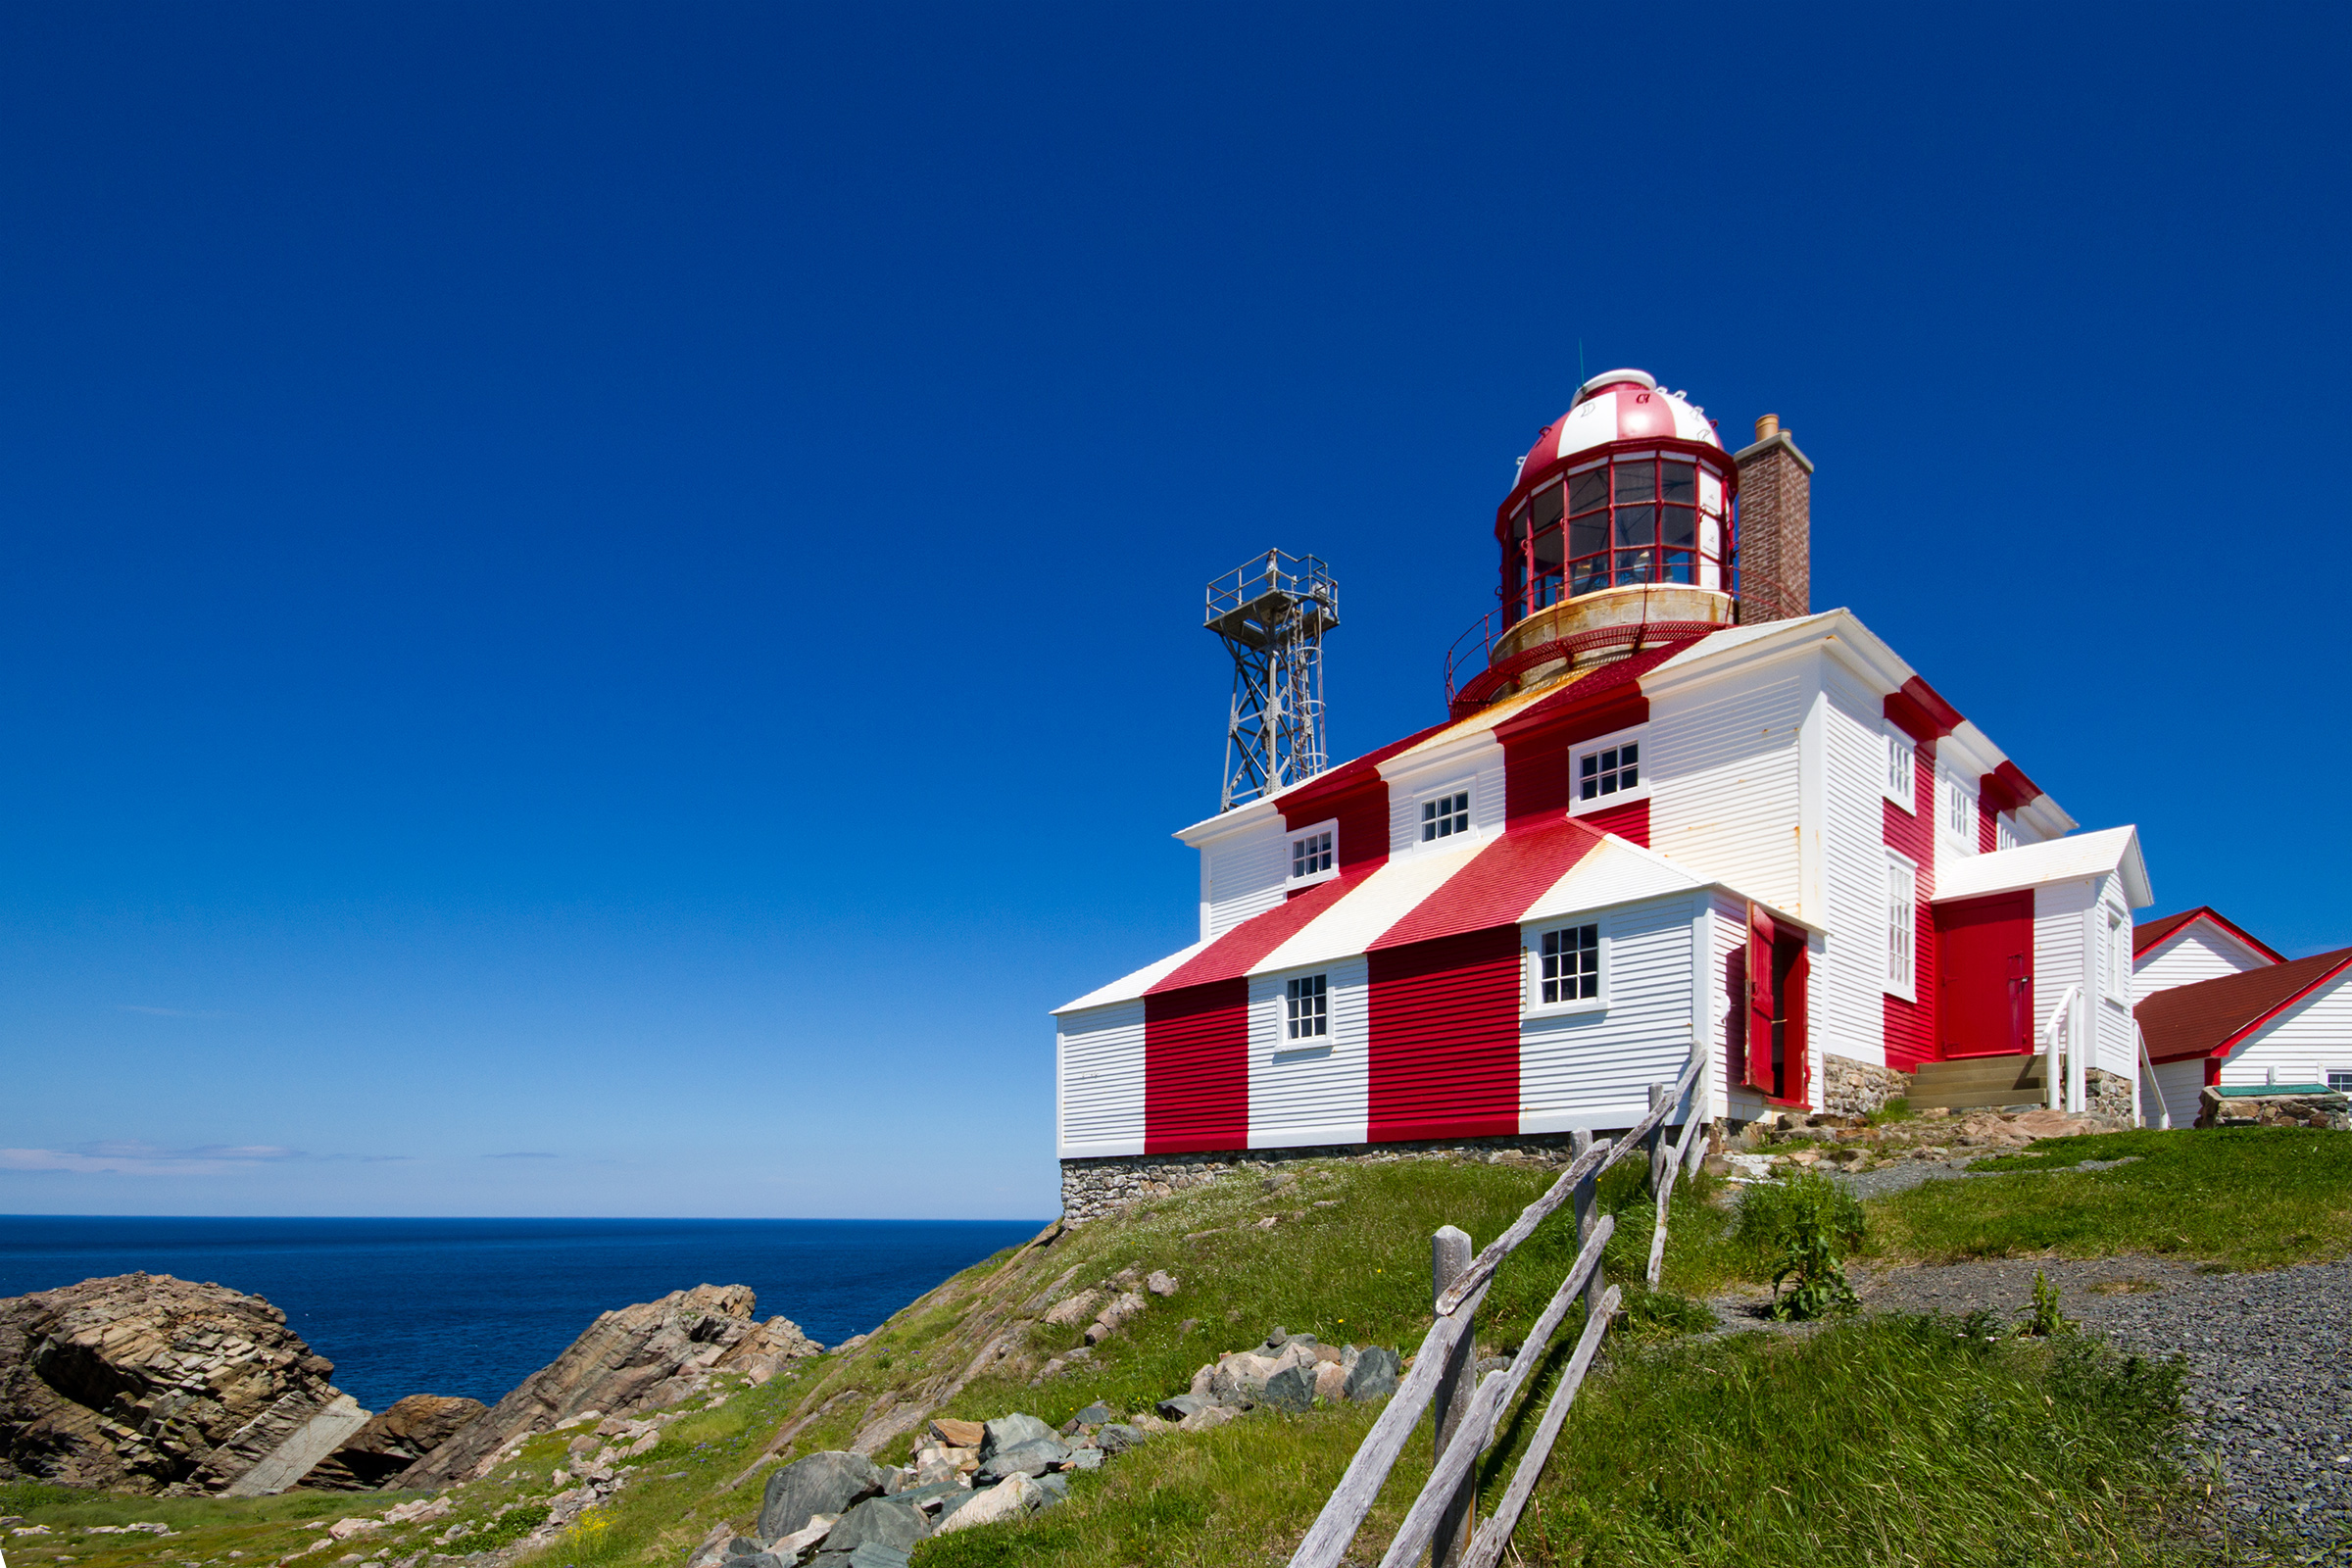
x=1899 y=778
x=1444 y=816
x=2118 y=955
x=1309 y=1002
x=1570 y=965
x=2004 y=833
x=1960 y=811
x=1902 y=927
x=1311 y=853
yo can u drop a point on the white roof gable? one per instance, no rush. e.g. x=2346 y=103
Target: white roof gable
x=2113 y=850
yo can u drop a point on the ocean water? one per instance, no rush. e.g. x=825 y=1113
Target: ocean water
x=474 y=1306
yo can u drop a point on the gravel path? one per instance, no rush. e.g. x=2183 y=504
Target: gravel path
x=2269 y=1365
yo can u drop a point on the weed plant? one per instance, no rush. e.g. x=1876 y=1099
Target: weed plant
x=1806 y=1225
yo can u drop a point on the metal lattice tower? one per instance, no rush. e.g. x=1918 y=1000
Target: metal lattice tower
x=1271 y=614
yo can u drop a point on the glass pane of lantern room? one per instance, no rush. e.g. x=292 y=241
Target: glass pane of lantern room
x=1633 y=567
x=1637 y=525
x=1588 y=491
x=1678 y=527
x=1588 y=536
x=1546 y=507
x=1678 y=483
x=1589 y=574
x=1637 y=480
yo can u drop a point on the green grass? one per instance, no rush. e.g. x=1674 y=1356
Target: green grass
x=2247 y=1196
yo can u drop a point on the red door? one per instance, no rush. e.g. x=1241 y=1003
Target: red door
x=1762 y=1009
x=1779 y=985
x=1985 y=977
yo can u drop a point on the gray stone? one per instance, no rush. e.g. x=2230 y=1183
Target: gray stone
x=1094 y=1415
x=1055 y=1487
x=1375 y=1374
x=1010 y=1431
x=1119 y=1437
x=762 y=1559
x=1175 y=1408
x=1025 y=1460
x=930 y=1495
x=1291 y=1389
x=745 y=1546
x=1086 y=1458
x=873 y=1554
x=888 y=1520
x=831 y=1482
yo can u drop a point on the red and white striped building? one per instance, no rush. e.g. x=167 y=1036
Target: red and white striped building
x=1671 y=810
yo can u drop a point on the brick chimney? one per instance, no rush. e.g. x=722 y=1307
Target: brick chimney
x=1776 y=526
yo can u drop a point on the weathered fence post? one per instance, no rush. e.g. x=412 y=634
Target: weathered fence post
x=1657 y=1142
x=1449 y=1256
x=1587 y=1190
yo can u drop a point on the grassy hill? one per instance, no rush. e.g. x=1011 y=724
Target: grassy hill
x=1876 y=1440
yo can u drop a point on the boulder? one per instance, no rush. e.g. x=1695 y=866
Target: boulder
x=1331 y=1382
x=768 y=1349
x=1119 y=1438
x=1375 y=1374
x=955 y=1434
x=1160 y=1283
x=392 y=1441
x=831 y=1482
x=1022 y=1458
x=1009 y=1499
x=145 y=1383
x=886 y=1520
x=1177 y=1406
x=1086 y=1458
x=808 y=1535
x=1010 y=1431
x=1291 y=1389
x=633 y=1359
x=1094 y=1415
x=1052 y=1490
x=1074 y=1310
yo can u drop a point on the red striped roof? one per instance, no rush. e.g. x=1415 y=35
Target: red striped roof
x=1237 y=952
x=1499 y=885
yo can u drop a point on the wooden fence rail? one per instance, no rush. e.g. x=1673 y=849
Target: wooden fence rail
x=1440 y=1512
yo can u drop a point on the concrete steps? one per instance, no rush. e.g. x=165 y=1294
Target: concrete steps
x=1979 y=1081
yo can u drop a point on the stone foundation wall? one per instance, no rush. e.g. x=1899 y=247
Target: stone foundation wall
x=2108 y=1097
x=1092 y=1187
x=1850 y=1088
x=2330 y=1110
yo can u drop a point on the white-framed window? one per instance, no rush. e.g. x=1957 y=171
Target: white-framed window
x=1445 y=814
x=1960 y=810
x=1902 y=784
x=2118 y=935
x=1312 y=857
x=2004 y=833
x=1902 y=927
x=1567 y=969
x=1308 y=1009
x=1608 y=771
x=2339 y=1079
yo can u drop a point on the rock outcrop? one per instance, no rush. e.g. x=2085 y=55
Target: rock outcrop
x=634 y=1359
x=392 y=1441
x=146 y=1383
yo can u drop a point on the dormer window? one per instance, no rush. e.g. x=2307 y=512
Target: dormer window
x=1445 y=816
x=1960 y=811
x=1902 y=786
x=1312 y=853
x=1608 y=771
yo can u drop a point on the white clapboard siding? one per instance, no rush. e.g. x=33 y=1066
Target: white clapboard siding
x=1852 y=966
x=2180 y=1082
x=2196 y=952
x=2119 y=1041
x=1477 y=768
x=1594 y=1069
x=2302 y=1044
x=1242 y=875
x=1724 y=777
x=1099 y=1059
x=1952 y=849
x=1316 y=1092
x=2061 y=957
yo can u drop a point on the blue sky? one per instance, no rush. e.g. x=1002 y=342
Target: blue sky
x=600 y=603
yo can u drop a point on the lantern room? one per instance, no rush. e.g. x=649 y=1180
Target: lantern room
x=1629 y=490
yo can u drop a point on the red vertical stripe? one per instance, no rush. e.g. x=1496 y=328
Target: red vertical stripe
x=1910 y=1026
x=1197 y=1068
x=1444 y=1043
x=1989 y=805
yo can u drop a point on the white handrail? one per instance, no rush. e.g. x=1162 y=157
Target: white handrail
x=2147 y=1068
x=2054 y=1086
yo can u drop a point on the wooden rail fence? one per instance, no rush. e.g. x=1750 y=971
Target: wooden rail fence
x=1466 y=1419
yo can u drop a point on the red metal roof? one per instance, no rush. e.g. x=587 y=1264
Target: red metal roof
x=2209 y=1017
x=1497 y=885
x=2148 y=934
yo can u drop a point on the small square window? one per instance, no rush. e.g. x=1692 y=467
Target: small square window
x=1444 y=816
x=1610 y=771
x=1570 y=965
x=1310 y=855
x=1310 y=1008
x=2339 y=1080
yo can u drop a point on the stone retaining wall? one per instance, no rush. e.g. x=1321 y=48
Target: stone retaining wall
x=1850 y=1088
x=1092 y=1187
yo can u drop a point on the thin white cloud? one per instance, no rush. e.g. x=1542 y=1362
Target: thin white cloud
x=525 y=1154
x=134 y=1157
x=168 y=1012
